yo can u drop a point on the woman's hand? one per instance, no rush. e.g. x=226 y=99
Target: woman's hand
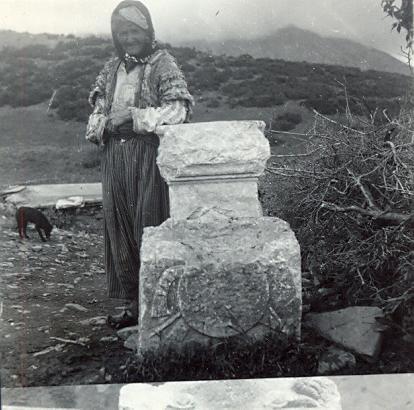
x=117 y=118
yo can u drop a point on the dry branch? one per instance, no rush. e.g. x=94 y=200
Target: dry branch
x=389 y=218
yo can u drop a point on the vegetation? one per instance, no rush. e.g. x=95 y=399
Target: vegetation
x=402 y=12
x=350 y=200
x=32 y=74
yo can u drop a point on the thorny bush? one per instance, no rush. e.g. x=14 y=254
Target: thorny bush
x=349 y=199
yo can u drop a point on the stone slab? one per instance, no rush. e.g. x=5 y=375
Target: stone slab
x=253 y=394
x=354 y=328
x=44 y=196
x=214 y=277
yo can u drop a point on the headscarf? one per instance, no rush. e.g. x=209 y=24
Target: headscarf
x=134 y=12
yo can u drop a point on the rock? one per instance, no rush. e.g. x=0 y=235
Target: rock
x=6 y=265
x=94 y=321
x=75 y=306
x=127 y=331
x=354 y=328
x=36 y=248
x=131 y=342
x=57 y=348
x=108 y=339
x=335 y=359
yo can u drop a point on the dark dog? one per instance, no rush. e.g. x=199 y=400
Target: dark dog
x=24 y=215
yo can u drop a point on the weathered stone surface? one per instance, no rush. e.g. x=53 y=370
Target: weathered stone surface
x=354 y=328
x=131 y=342
x=127 y=331
x=335 y=359
x=231 y=197
x=213 y=277
x=298 y=394
x=212 y=149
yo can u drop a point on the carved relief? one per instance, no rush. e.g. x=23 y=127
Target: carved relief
x=220 y=304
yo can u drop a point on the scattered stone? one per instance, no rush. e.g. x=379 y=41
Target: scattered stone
x=43 y=328
x=57 y=348
x=82 y=255
x=94 y=321
x=126 y=332
x=13 y=274
x=82 y=341
x=66 y=285
x=131 y=342
x=77 y=307
x=326 y=291
x=108 y=378
x=6 y=265
x=354 y=328
x=63 y=248
x=335 y=359
x=108 y=339
x=36 y=248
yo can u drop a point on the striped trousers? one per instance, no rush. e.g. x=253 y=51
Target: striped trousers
x=134 y=196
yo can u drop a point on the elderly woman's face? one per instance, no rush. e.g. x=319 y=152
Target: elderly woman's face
x=132 y=38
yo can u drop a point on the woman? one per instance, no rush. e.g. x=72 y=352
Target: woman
x=134 y=93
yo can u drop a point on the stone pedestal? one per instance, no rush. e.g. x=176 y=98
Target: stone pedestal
x=217 y=268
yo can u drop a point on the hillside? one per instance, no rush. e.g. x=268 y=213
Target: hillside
x=294 y=44
x=10 y=38
x=30 y=75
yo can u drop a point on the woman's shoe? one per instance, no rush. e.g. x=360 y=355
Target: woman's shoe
x=124 y=319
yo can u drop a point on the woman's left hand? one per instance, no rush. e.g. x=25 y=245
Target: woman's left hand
x=120 y=117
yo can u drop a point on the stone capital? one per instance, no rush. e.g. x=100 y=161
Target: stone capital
x=212 y=150
x=213 y=165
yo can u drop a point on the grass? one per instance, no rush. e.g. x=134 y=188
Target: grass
x=36 y=148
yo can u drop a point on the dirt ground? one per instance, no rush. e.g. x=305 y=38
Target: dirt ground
x=53 y=308
x=49 y=292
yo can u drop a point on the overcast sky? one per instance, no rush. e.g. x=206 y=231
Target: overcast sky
x=175 y=20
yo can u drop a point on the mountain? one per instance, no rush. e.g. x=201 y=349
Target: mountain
x=10 y=38
x=294 y=44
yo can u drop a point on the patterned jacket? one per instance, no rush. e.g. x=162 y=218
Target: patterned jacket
x=162 y=82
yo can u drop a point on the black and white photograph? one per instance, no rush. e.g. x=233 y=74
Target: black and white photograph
x=206 y=205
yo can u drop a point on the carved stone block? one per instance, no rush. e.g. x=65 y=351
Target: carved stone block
x=209 y=278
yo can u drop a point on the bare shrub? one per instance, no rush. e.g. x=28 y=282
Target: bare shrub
x=350 y=200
